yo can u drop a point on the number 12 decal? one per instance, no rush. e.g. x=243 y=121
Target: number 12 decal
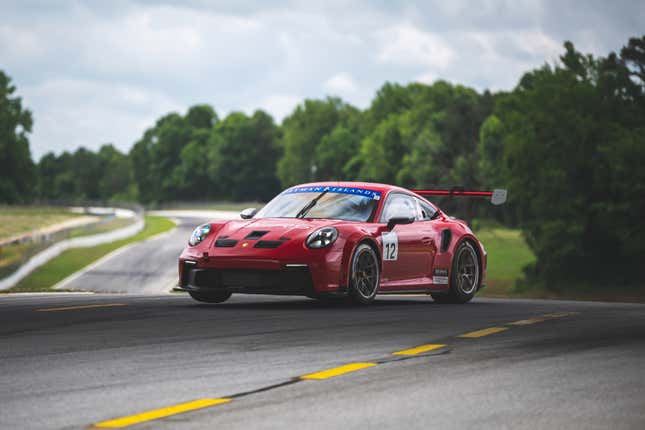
x=390 y=246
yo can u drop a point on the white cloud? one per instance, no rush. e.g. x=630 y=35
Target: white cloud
x=341 y=84
x=19 y=44
x=499 y=58
x=279 y=105
x=407 y=45
x=426 y=78
x=93 y=113
x=537 y=43
x=93 y=72
x=171 y=40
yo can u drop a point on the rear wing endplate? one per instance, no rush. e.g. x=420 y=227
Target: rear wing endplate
x=497 y=196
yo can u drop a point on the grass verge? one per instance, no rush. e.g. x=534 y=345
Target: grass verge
x=16 y=254
x=507 y=253
x=15 y=220
x=585 y=292
x=73 y=260
x=104 y=226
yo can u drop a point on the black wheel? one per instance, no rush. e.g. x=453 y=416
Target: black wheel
x=214 y=297
x=464 y=277
x=364 y=275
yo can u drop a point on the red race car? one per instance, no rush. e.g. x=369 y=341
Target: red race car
x=338 y=239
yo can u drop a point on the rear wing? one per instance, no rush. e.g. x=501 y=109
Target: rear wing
x=497 y=197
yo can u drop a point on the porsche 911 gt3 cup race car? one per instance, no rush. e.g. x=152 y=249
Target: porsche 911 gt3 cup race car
x=338 y=239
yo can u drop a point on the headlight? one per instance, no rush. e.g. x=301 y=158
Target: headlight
x=322 y=237
x=199 y=234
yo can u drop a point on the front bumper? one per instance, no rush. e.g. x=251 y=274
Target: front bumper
x=315 y=274
x=289 y=280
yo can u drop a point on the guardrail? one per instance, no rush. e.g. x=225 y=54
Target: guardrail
x=57 y=248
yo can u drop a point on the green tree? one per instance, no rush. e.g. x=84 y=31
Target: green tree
x=55 y=177
x=491 y=151
x=201 y=116
x=574 y=150
x=303 y=131
x=169 y=161
x=424 y=135
x=419 y=167
x=243 y=156
x=390 y=99
x=191 y=175
x=87 y=174
x=17 y=173
x=115 y=179
x=334 y=151
x=383 y=150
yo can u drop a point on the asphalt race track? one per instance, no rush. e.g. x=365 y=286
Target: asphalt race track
x=146 y=267
x=163 y=361
x=73 y=361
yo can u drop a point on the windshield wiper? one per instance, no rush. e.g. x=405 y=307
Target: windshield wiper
x=310 y=205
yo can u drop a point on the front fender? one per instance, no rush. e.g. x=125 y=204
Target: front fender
x=354 y=239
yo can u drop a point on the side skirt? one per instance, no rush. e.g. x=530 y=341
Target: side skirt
x=410 y=292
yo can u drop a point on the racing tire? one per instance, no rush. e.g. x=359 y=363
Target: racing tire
x=214 y=297
x=464 y=277
x=364 y=275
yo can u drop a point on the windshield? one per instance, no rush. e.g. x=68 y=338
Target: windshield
x=333 y=205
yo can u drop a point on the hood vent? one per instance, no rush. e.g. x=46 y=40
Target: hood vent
x=225 y=243
x=268 y=244
x=255 y=235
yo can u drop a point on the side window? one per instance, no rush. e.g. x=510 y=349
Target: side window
x=399 y=205
x=426 y=211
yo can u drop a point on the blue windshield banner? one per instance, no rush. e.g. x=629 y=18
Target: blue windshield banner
x=340 y=190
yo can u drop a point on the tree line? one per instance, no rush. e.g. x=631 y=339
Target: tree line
x=568 y=142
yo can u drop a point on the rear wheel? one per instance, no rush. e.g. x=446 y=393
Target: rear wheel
x=464 y=278
x=364 y=276
x=214 y=297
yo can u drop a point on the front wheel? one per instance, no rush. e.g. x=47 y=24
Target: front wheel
x=364 y=276
x=464 y=278
x=214 y=297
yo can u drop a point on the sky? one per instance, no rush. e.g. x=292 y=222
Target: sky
x=100 y=72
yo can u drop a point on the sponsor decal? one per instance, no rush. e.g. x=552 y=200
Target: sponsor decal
x=287 y=226
x=390 y=246
x=375 y=195
x=440 y=277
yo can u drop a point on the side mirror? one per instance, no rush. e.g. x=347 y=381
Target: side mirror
x=399 y=220
x=248 y=213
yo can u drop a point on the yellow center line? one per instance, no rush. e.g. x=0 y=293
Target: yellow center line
x=156 y=414
x=336 y=371
x=483 y=332
x=527 y=321
x=419 y=349
x=71 y=308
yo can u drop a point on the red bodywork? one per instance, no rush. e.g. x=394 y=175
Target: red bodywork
x=420 y=250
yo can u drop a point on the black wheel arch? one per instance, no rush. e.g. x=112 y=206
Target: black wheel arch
x=475 y=245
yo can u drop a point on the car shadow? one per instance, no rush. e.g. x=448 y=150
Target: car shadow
x=312 y=304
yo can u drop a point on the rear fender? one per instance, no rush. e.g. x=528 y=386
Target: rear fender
x=461 y=234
